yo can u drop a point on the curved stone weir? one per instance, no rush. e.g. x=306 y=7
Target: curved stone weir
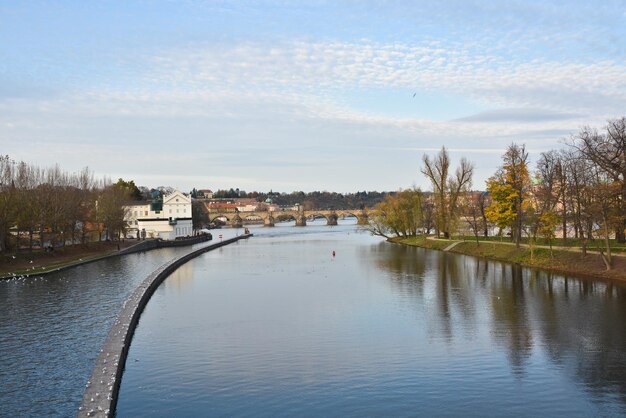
x=102 y=389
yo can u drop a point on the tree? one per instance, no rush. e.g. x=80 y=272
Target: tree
x=199 y=214
x=134 y=193
x=547 y=226
x=604 y=208
x=86 y=184
x=428 y=213
x=579 y=194
x=8 y=197
x=509 y=189
x=541 y=216
x=501 y=211
x=112 y=211
x=446 y=189
x=26 y=179
x=608 y=152
x=399 y=214
x=473 y=209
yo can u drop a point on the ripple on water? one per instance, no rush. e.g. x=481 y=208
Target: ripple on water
x=277 y=327
x=52 y=328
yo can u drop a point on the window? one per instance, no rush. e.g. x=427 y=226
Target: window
x=146 y=214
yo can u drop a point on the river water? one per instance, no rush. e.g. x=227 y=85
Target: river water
x=52 y=328
x=277 y=326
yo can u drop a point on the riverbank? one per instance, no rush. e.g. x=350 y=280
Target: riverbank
x=43 y=262
x=40 y=261
x=561 y=261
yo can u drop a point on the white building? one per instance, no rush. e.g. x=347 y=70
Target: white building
x=168 y=219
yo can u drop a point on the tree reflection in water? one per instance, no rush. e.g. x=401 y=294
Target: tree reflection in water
x=577 y=323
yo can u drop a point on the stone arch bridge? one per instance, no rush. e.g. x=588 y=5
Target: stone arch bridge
x=269 y=218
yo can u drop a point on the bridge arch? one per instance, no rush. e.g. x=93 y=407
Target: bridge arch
x=227 y=217
x=252 y=217
x=300 y=216
x=283 y=216
x=317 y=215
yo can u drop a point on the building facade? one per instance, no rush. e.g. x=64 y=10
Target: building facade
x=167 y=219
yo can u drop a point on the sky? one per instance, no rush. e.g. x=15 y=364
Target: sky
x=282 y=95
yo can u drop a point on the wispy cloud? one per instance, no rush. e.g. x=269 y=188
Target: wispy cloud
x=331 y=68
x=247 y=87
x=519 y=115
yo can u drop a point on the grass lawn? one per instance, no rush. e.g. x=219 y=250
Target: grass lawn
x=558 y=260
x=593 y=245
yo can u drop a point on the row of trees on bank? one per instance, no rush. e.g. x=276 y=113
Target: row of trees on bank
x=310 y=200
x=48 y=206
x=412 y=212
x=579 y=190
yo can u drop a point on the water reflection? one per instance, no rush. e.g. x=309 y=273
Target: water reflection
x=576 y=322
x=278 y=326
x=52 y=329
x=183 y=277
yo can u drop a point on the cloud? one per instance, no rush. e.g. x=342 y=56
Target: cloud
x=519 y=115
x=328 y=69
x=251 y=107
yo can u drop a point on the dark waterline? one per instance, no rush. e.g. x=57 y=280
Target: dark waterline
x=278 y=327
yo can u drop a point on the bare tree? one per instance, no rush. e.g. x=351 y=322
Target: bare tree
x=8 y=198
x=112 y=211
x=607 y=151
x=605 y=209
x=472 y=210
x=428 y=213
x=446 y=189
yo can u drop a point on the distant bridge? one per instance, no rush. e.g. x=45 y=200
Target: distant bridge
x=269 y=218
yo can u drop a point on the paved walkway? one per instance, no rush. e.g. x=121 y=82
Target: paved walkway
x=547 y=247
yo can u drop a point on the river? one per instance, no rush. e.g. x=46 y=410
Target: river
x=277 y=326
x=52 y=328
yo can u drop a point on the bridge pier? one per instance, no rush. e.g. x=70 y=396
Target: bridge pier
x=237 y=219
x=301 y=218
x=237 y=222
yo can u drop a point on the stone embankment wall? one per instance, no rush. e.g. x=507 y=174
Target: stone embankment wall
x=102 y=389
x=146 y=245
x=158 y=243
x=187 y=241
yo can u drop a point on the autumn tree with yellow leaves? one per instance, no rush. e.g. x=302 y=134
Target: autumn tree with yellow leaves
x=510 y=188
